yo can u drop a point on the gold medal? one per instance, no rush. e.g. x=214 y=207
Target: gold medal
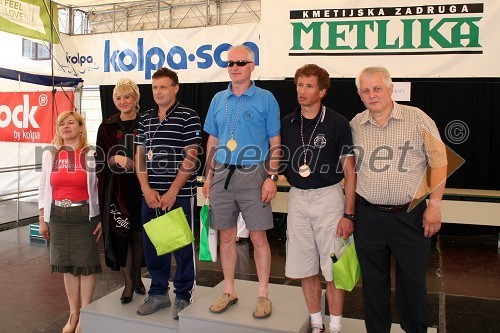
x=304 y=170
x=150 y=155
x=232 y=144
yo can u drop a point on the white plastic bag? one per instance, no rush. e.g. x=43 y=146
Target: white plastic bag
x=242 y=231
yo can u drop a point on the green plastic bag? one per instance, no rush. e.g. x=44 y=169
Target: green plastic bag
x=208 y=236
x=169 y=232
x=346 y=270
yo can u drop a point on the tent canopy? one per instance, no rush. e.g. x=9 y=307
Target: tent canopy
x=76 y=3
x=26 y=70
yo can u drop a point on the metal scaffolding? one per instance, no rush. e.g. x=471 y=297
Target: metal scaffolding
x=155 y=14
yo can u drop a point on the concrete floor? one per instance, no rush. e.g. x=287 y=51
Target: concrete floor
x=463 y=281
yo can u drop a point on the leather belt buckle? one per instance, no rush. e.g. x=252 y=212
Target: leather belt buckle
x=384 y=208
x=65 y=203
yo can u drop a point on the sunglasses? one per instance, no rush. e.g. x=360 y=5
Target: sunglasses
x=239 y=63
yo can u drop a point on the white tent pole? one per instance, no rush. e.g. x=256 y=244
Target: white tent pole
x=18 y=181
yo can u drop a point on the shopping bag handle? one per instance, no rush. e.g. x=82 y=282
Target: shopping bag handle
x=207 y=202
x=157 y=210
x=350 y=239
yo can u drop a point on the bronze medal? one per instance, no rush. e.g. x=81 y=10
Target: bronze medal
x=304 y=170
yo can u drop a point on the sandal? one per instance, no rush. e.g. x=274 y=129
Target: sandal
x=263 y=308
x=72 y=323
x=223 y=303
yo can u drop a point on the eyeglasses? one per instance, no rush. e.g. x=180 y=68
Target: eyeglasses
x=239 y=63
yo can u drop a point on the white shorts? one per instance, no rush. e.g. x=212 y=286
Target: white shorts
x=313 y=216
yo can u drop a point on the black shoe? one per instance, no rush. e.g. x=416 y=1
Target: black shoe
x=140 y=290
x=125 y=299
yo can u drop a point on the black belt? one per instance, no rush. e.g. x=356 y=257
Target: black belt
x=385 y=208
x=232 y=168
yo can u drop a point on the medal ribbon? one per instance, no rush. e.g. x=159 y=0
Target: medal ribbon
x=231 y=128
x=312 y=134
x=150 y=138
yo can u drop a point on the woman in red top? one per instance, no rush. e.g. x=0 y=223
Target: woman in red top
x=69 y=212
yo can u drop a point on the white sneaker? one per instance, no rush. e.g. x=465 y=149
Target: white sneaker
x=318 y=329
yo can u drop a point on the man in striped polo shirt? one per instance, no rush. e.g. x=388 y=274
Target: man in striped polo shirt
x=167 y=141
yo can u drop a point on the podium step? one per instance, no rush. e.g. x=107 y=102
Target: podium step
x=289 y=311
x=350 y=325
x=107 y=314
x=289 y=314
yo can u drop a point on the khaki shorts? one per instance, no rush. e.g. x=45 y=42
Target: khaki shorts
x=313 y=216
x=243 y=193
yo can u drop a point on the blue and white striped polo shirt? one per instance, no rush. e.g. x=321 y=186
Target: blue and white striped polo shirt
x=167 y=141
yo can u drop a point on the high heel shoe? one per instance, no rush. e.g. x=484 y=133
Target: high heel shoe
x=72 y=323
x=126 y=299
x=139 y=287
x=141 y=290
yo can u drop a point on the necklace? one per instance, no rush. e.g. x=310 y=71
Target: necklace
x=304 y=169
x=150 y=138
x=231 y=144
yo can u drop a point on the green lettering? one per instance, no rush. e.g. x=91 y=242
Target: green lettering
x=382 y=36
x=408 y=34
x=334 y=35
x=428 y=33
x=361 y=33
x=299 y=27
x=472 y=36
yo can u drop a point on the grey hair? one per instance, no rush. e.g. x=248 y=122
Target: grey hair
x=386 y=77
x=251 y=54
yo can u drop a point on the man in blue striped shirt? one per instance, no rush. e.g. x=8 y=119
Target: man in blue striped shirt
x=167 y=141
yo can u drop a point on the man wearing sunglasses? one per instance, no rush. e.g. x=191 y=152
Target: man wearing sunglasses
x=241 y=172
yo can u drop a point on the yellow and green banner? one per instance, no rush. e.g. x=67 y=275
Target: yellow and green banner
x=29 y=18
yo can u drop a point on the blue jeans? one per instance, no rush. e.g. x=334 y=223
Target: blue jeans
x=159 y=266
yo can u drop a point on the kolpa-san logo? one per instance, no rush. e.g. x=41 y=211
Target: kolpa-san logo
x=176 y=58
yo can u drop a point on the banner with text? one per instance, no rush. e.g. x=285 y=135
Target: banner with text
x=196 y=54
x=29 y=18
x=412 y=38
x=28 y=116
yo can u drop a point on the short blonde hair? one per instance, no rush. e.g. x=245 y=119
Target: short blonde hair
x=58 y=141
x=128 y=87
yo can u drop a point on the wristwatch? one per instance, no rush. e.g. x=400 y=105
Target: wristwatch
x=273 y=177
x=351 y=217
